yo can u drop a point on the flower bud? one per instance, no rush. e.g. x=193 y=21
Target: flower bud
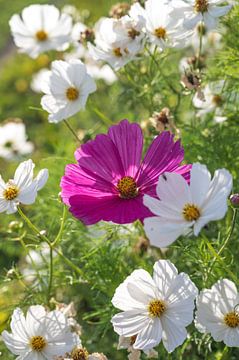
x=234 y=199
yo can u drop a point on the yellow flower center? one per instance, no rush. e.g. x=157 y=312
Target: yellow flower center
x=117 y=52
x=38 y=343
x=160 y=33
x=232 y=319
x=41 y=35
x=79 y=354
x=133 y=339
x=191 y=212
x=127 y=187
x=11 y=191
x=133 y=33
x=156 y=308
x=217 y=100
x=201 y=6
x=72 y=93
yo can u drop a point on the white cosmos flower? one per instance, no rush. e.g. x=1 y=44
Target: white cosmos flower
x=41 y=28
x=155 y=309
x=213 y=101
x=13 y=140
x=162 y=28
x=40 y=335
x=22 y=189
x=113 y=43
x=182 y=206
x=67 y=89
x=218 y=312
x=195 y=11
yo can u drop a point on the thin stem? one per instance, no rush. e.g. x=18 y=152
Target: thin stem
x=50 y=274
x=32 y=226
x=71 y=130
x=69 y=262
x=200 y=46
x=59 y=235
x=225 y=266
x=226 y=240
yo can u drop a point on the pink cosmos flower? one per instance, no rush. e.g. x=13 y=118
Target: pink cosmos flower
x=110 y=180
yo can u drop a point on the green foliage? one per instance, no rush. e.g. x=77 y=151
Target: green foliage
x=98 y=258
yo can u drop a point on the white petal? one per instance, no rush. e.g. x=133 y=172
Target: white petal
x=217 y=11
x=24 y=174
x=129 y=323
x=15 y=345
x=150 y=336
x=161 y=232
x=164 y=273
x=231 y=337
x=42 y=178
x=173 y=335
x=199 y=183
x=35 y=320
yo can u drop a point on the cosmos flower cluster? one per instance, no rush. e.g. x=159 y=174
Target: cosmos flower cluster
x=112 y=181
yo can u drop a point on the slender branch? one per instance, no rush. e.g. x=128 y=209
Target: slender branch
x=59 y=235
x=226 y=240
x=69 y=262
x=72 y=130
x=50 y=275
x=200 y=46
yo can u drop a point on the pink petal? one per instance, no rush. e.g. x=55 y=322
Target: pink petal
x=100 y=158
x=128 y=139
x=90 y=210
x=77 y=181
x=163 y=155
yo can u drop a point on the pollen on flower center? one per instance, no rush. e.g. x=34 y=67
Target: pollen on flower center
x=79 y=354
x=156 y=308
x=127 y=187
x=217 y=100
x=72 y=93
x=38 y=343
x=201 y=6
x=191 y=212
x=133 y=33
x=41 y=35
x=11 y=191
x=232 y=319
x=160 y=33
x=117 y=52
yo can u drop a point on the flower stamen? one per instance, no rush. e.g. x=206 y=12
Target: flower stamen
x=11 y=191
x=156 y=308
x=41 y=35
x=133 y=33
x=38 y=343
x=117 y=52
x=127 y=187
x=72 y=93
x=201 y=6
x=231 y=319
x=160 y=33
x=79 y=354
x=191 y=212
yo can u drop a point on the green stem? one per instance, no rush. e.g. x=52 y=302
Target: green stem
x=59 y=235
x=226 y=240
x=200 y=46
x=50 y=275
x=71 y=130
x=225 y=266
x=32 y=226
x=69 y=262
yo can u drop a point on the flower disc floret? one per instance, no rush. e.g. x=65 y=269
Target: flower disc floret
x=72 y=93
x=41 y=35
x=80 y=354
x=127 y=188
x=201 y=6
x=232 y=319
x=191 y=212
x=38 y=343
x=117 y=52
x=11 y=192
x=156 y=308
x=161 y=33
